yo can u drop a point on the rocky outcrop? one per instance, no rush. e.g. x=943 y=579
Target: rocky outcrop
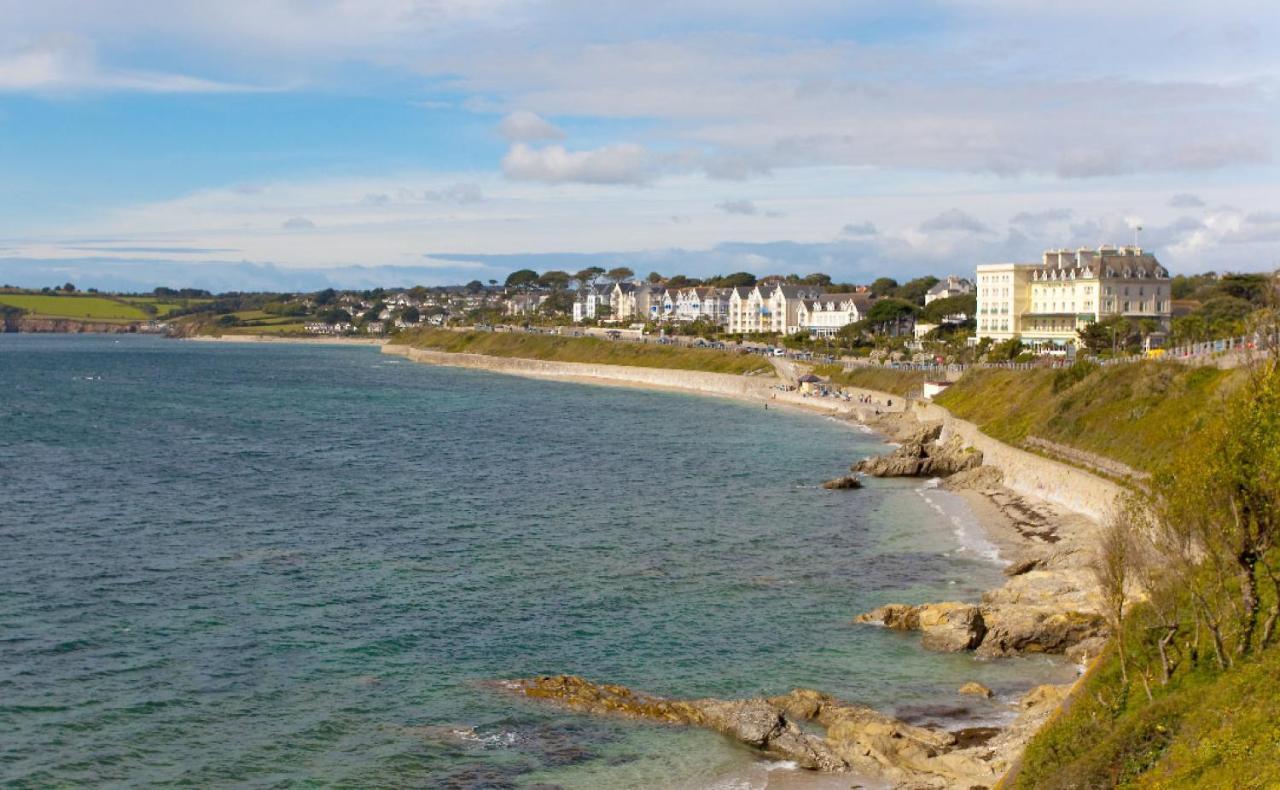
x=922 y=455
x=1018 y=630
x=856 y=739
x=950 y=627
x=993 y=629
x=977 y=690
x=843 y=483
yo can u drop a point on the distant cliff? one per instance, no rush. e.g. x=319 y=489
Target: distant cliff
x=21 y=323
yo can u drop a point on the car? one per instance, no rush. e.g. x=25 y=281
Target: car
x=779 y=352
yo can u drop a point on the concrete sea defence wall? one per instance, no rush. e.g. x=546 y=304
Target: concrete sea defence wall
x=1027 y=473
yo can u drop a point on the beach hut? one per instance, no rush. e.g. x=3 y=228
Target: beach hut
x=809 y=383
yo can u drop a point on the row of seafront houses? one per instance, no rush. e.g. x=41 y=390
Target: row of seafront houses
x=1043 y=304
x=773 y=308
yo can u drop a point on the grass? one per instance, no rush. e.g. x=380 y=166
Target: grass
x=73 y=306
x=586 y=349
x=1137 y=414
x=1206 y=729
x=906 y=383
x=162 y=308
x=278 y=328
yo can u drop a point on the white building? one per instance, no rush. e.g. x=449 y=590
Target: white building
x=590 y=302
x=1047 y=303
x=945 y=289
x=826 y=315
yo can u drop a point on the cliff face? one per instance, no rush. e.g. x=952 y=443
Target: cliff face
x=65 y=326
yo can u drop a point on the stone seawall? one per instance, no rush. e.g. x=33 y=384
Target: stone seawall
x=1029 y=474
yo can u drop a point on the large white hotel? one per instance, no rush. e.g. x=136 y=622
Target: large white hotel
x=1046 y=303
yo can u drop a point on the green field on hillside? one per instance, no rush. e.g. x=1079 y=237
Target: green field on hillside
x=585 y=349
x=94 y=308
x=1134 y=413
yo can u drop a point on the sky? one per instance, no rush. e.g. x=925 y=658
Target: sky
x=304 y=143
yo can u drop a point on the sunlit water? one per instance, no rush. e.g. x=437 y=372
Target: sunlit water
x=277 y=564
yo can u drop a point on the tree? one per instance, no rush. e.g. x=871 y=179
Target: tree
x=737 y=280
x=326 y=296
x=1110 y=568
x=1105 y=335
x=554 y=279
x=588 y=275
x=522 y=278
x=1224 y=312
x=474 y=287
x=817 y=278
x=883 y=286
x=1006 y=350
x=654 y=278
x=1251 y=288
x=680 y=281
x=410 y=315
x=558 y=302
x=914 y=290
x=938 y=310
x=336 y=315
x=69 y=288
x=619 y=273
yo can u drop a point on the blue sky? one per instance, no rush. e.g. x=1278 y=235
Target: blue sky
x=283 y=143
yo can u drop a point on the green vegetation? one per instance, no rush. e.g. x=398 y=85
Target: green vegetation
x=1135 y=413
x=585 y=349
x=74 y=306
x=1187 y=695
x=906 y=383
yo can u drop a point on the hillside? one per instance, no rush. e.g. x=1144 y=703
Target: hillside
x=585 y=349
x=1137 y=413
x=1190 y=574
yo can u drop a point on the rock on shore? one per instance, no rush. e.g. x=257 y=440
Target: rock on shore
x=922 y=455
x=950 y=627
x=857 y=738
x=998 y=627
x=843 y=483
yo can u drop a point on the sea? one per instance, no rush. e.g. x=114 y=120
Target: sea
x=276 y=565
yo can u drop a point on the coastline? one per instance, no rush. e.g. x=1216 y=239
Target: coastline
x=1022 y=526
x=302 y=341
x=1040 y=538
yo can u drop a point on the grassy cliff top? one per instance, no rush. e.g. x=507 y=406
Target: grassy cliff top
x=1137 y=413
x=585 y=349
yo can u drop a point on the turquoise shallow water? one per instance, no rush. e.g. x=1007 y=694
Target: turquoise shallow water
x=223 y=564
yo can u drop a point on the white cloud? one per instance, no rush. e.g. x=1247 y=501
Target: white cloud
x=67 y=62
x=623 y=163
x=525 y=126
x=298 y=223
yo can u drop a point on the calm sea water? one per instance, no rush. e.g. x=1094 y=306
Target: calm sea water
x=285 y=565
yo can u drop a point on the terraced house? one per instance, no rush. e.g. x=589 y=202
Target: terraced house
x=1046 y=303
x=826 y=315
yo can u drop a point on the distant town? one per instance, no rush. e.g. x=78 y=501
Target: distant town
x=1105 y=300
